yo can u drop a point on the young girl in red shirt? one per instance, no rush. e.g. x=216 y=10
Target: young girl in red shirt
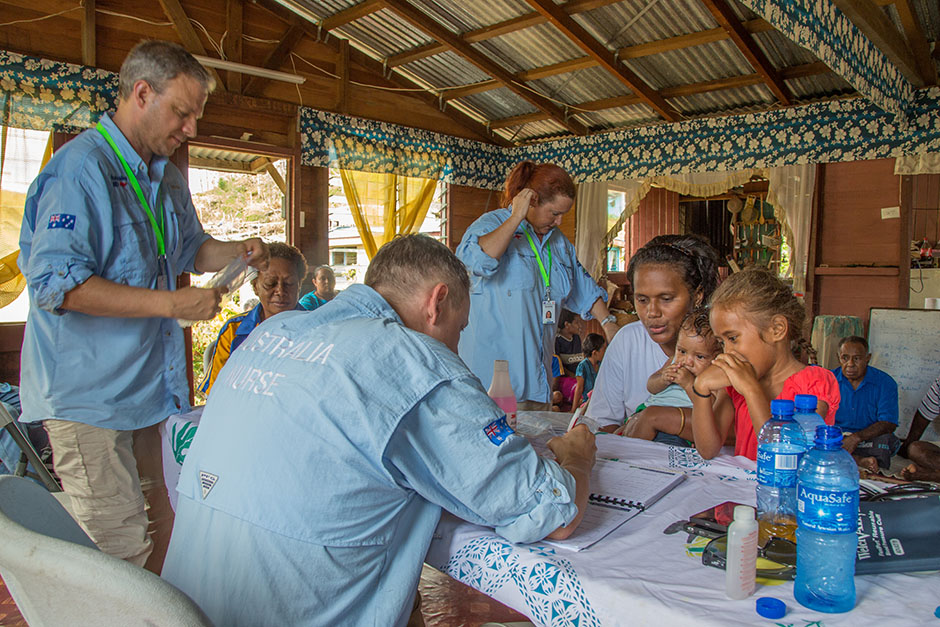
x=759 y=322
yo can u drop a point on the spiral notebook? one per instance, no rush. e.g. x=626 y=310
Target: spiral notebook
x=619 y=491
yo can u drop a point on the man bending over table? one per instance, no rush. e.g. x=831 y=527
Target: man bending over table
x=333 y=441
x=924 y=455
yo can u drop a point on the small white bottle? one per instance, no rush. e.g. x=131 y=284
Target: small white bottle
x=741 y=565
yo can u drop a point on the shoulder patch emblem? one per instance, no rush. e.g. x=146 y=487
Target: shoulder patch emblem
x=207 y=481
x=498 y=431
x=62 y=221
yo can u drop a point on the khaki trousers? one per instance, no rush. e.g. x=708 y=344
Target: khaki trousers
x=115 y=482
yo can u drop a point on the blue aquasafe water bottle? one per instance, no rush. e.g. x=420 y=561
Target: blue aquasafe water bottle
x=827 y=518
x=806 y=416
x=780 y=444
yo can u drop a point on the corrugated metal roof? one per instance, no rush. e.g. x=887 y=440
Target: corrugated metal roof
x=617 y=25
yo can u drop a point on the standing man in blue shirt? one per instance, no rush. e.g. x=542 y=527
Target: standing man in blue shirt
x=869 y=408
x=332 y=442
x=108 y=227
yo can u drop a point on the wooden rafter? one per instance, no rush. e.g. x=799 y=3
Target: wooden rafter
x=342 y=66
x=88 y=34
x=628 y=52
x=495 y=30
x=917 y=42
x=603 y=56
x=232 y=44
x=796 y=71
x=420 y=20
x=375 y=67
x=727 y=19
x=878 y=27
x=351 y=14
x=184 y=28
x=280 y=54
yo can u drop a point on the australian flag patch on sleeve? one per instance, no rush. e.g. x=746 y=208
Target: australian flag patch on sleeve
x=498 y=431
x=62 y=221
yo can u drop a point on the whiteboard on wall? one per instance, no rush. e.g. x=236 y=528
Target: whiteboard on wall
x=905 y=343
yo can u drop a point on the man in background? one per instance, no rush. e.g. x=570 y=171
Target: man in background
x=868 y=412
x=109 y=226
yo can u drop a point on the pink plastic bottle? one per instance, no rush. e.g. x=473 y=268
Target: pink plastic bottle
x=501 y=391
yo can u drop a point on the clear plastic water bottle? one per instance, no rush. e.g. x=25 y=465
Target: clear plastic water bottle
x=806 y=416
x=827 y=517
x=501 y=391
x=780 y=445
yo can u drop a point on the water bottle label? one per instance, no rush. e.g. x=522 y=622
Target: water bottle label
x=777 y=469
x=827 y=511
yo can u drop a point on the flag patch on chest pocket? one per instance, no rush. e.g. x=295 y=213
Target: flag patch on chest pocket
x=498 y=431
x=62 y=221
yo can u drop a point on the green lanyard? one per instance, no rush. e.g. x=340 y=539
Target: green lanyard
x=158 y=230
x=546 y=274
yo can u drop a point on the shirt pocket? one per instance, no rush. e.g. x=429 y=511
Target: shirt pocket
x=133 y=251
x=519 y=271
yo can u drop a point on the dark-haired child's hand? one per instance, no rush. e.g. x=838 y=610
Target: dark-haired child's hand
x=711 y=380
x=684 y=378
x=739 y=371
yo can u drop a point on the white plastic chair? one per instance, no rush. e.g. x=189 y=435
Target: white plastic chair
x=57 y=576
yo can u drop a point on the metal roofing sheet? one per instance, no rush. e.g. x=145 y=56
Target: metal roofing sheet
x=573 y=88
x=385 y=32
x=463 y=16
x=447 y=69
x=531 y=47
x=641 y=21
x=499 y=104
x=720 y=59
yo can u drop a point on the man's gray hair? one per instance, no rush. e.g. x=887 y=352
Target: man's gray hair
x=159 y=62
x=404 y=265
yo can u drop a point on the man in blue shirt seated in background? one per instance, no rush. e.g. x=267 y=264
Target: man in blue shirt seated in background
x=332 y=442
x=869 y=408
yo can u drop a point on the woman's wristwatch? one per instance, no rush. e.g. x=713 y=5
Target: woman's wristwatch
x=610 y=318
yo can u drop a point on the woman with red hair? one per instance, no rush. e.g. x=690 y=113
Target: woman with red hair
x=523 y=271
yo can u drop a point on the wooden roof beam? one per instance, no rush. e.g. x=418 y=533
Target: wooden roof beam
x=232 y=45
x=88 y=34
x=417 y=18
x=351 y=14
x=277 y=57
x=604 y=57
x=796 y=71
x=495 y=30
x=878 y=27
x=629 y=52
x=375 y=67
x=184 y=28
x=917 y=41
x=727 y=19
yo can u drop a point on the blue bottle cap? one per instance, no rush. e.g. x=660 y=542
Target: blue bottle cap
x=805 y=402
x=828 y=437
x=781 y=407
x=772 y=608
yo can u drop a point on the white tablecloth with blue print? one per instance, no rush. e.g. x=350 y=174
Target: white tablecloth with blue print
x=639 y=576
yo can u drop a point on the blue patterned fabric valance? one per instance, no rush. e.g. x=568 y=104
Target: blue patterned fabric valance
x=841 y=130
x=825 y=31
x=360 y=144
x=43 y=95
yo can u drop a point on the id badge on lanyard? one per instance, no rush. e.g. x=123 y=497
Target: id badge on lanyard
x=548 y=305
x=159 y=227
x=163 y=273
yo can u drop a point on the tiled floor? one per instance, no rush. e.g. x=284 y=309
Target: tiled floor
x=445 y=603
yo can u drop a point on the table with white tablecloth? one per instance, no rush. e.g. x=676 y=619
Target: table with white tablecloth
x=639 y=576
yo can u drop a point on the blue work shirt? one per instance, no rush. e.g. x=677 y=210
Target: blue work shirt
x=506 y=304
x=875 y=400
x=311 y=301
x=82 y=219
x=325 y=454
